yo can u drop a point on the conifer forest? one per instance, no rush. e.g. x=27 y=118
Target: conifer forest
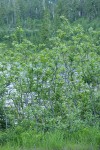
x=49 y=74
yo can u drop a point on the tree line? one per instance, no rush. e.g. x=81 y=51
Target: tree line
x=16 y=12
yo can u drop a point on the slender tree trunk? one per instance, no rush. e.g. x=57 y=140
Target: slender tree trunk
x=14 y=11
x=44 y=4
x=81 y=12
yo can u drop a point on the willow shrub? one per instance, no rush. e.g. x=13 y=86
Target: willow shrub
x=56 y=86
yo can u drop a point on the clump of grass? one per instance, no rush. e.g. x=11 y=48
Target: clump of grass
x=8 y=146
x=84 y=139
x=53 y=141
x=31 y=139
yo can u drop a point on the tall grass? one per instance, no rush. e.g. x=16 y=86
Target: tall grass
x=85 y=139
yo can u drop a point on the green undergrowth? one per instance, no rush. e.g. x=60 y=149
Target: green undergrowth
x=17 y=139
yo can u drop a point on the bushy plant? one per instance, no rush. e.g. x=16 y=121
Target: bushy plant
x=51 y=87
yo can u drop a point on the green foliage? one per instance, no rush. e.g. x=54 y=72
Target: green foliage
x=86 y=138
x=51 y=88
